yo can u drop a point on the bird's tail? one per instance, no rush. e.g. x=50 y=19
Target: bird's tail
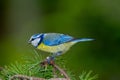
x=82 y=40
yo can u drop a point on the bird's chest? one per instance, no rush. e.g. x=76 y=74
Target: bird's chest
x=54 y=49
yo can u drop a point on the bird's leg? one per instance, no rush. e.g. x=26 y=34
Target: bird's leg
x=58 y=53
x=50 y=60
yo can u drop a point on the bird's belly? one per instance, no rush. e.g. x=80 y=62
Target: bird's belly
x=54 y=49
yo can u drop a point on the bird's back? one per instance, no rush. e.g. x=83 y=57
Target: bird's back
x=53 y=39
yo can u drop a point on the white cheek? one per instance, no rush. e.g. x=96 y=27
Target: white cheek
x=35 y=42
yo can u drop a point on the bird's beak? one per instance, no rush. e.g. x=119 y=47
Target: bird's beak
x=29 y=41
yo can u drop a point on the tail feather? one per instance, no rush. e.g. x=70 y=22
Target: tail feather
x=82 y=40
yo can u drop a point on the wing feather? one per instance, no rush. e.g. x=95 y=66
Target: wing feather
x=52 y=39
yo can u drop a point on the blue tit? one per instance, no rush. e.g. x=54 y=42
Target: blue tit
x=55 y=43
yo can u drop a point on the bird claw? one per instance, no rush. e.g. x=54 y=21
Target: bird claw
x=50 y=60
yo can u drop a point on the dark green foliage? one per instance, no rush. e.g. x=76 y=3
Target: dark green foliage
x=31 y=67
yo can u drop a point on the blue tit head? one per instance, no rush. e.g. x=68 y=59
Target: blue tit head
x=36 y=39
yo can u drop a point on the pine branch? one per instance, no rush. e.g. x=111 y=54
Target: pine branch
x=62 y=71
x=23 y=77
x=31 y=69
x=44 y=63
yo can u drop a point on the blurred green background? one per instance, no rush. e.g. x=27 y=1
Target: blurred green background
x=99 y=19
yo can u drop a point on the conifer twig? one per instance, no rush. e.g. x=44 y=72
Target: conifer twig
x=61 y=71
x=44 y=63
x=23 y=77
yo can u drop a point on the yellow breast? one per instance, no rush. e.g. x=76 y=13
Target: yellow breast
x=54 y=49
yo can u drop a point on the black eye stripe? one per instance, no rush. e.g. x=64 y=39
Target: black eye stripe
x=32 y=39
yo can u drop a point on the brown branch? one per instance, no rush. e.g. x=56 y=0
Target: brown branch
x=58 y=79
x=44 y=63
x=61 y=71
x=22 y=77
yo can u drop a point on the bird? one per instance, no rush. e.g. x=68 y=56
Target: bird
x=56 y=43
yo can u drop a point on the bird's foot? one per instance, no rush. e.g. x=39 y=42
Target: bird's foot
x=50 y=60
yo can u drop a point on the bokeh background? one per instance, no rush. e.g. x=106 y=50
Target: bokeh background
x=98 y=19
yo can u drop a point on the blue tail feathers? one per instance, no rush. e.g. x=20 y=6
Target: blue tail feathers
x=82 y=40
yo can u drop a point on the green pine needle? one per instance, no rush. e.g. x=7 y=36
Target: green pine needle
x=87 y=76
x=31 y=67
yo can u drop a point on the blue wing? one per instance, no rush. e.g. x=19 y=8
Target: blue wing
x=52 y=39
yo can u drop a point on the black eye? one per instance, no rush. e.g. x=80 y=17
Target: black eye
x=32 y=39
